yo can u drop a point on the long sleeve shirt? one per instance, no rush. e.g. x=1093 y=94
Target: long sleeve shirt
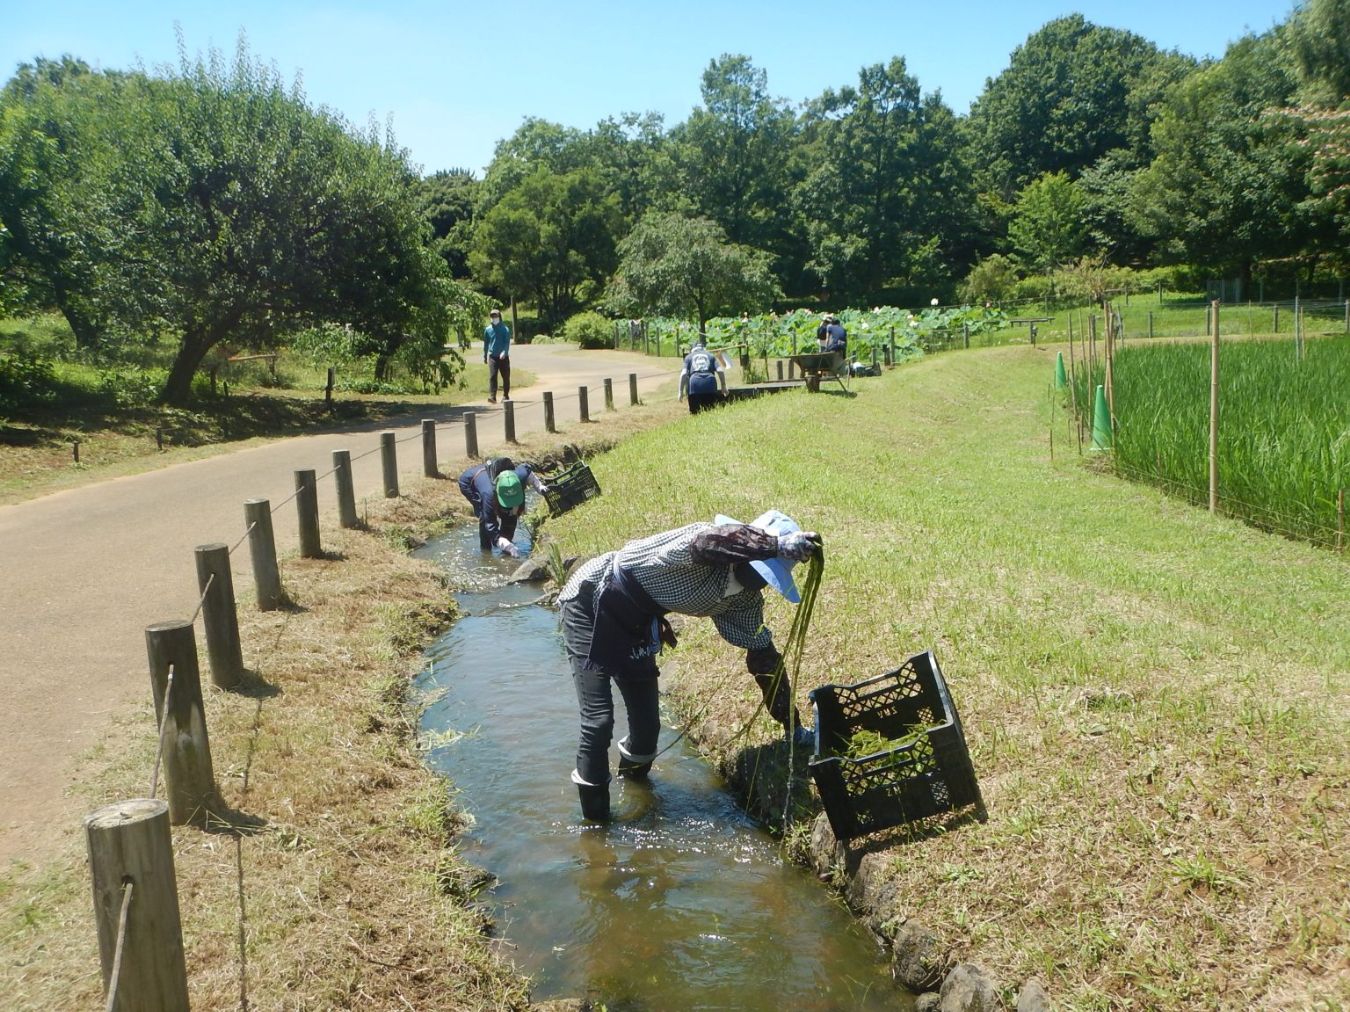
x=496 y=339
x=478 y=487
x=689 y=570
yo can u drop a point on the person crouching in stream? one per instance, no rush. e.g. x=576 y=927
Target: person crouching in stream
x=613 y=622
x=496 y=491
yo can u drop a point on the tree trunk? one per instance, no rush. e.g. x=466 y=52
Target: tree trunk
x=196 y=343
x=381 y=367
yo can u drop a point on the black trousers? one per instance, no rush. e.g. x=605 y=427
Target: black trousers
x=595 y=695
x=698 y=402
x=498 y=366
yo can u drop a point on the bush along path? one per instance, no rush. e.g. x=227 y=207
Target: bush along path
x=1153 y=697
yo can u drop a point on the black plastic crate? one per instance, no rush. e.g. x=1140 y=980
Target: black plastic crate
x=570 y=487
x=930 y=773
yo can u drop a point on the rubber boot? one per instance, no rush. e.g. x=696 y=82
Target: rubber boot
x=633 y=767
x=594 y=799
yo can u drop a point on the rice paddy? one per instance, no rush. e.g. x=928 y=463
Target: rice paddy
x=1284 y=427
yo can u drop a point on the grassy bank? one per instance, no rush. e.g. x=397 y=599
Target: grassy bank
x=1154 y=698
x=343 y=888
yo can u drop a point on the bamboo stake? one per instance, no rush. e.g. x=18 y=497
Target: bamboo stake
x=1214 y=413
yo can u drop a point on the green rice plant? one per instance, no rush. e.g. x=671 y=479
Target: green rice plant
x=1284 y=427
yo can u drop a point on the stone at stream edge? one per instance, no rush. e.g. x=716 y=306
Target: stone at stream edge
x=927 y=1002
x=918 y=958
x=1032 y=997
x=969 y=989
x=530 y=571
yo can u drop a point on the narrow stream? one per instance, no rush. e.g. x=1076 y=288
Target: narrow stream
x=682 y=902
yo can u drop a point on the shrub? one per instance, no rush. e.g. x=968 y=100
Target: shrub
x=26 y=379
x=131 y=388
x=590 y=330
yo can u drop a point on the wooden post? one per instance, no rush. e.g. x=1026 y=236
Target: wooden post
x=1340 y=520
x=429 y=468
x=581 y=397
x=1214 y=413
x=1110 y=359
x=1275 y=329
x=346 y=490
x=509 y=420
x=632 y=389
x=215 y=583
x=75 y=451
x=389 y=464
x=470 y=435
x=965 y=335
x=131 y=864
x=328 y=387
x=1347 y=316
x=189 y=782
x=1150 y=323
x=780 y=370
x=262 y=550
x=550 y=425
x=609 y=394
x=307 y=510
x=1298 y=329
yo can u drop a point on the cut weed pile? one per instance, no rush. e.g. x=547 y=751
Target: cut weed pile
x=1154 y=698
x=343 y=887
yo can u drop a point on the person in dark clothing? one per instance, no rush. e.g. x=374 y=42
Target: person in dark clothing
x=831 y=335
x=496 y=491
x=613 y=621
x=700 y=378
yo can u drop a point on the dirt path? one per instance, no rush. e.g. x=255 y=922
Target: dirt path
x=86 y=570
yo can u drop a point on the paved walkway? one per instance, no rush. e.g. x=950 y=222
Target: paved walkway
x=86 y=570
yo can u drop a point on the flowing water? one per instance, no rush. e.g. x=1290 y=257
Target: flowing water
x=681 y=902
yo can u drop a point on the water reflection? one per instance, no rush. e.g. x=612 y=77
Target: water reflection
x=681 y=902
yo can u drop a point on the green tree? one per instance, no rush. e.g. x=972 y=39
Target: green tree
x=1228 y=179
x=549 y=240
x=1064 y=101
x=732 y=152
x=1047 y=225
x=676 y=266
x=64 y=192
x=883 y=196
x=448 y=201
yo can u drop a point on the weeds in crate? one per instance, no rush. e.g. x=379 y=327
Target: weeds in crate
x=866 y=743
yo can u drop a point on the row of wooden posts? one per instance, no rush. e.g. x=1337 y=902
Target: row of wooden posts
x=129 y=842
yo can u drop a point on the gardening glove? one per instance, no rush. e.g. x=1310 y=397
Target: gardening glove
x=778 y=701
x=508 y=548
x=799 y=546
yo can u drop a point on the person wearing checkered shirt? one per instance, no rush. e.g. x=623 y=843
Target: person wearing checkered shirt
x=613 y=621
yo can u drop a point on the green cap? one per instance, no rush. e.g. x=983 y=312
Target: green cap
x=510 y=492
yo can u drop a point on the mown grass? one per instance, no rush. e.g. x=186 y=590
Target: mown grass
x=344 y=888
x=1284 y=427
x=1154 y=697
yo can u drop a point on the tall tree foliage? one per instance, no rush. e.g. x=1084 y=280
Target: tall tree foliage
x=549 y=240
x=881 y=202
x=732 y=152
x=1065 y=100
x=676 y=266
x=1225 y=187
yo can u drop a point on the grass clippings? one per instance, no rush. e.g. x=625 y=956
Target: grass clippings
x=334 y=881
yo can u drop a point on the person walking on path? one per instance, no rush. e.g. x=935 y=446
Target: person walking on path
x=613 y=622
x=496 y=491
x=700 y=378
x=497 y=355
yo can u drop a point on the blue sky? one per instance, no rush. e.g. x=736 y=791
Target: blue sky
x=455 y=78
